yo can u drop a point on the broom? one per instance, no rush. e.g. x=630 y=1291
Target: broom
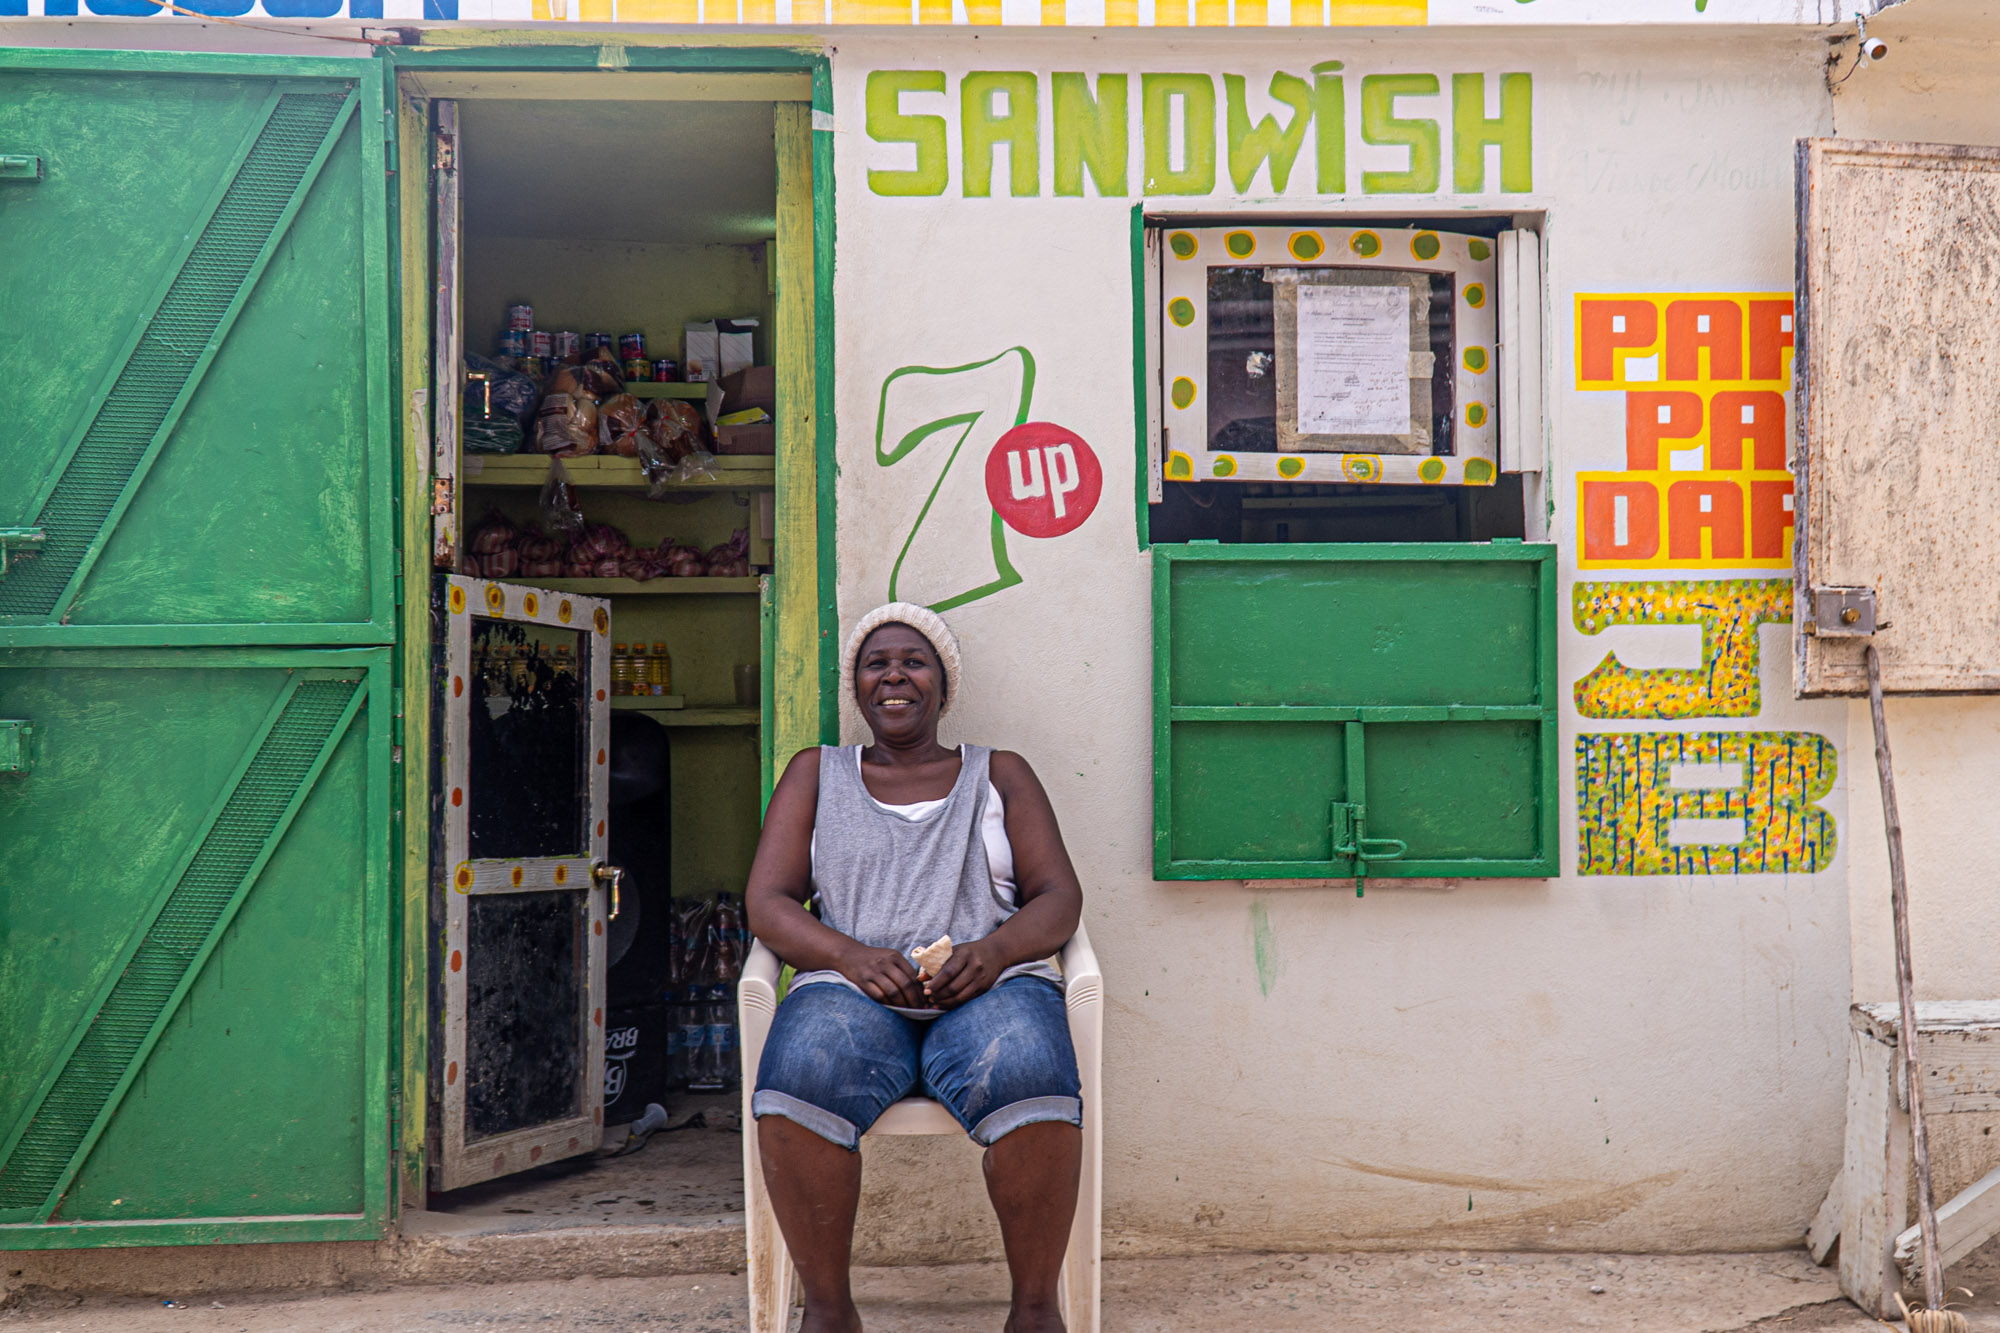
x=1934 y=1318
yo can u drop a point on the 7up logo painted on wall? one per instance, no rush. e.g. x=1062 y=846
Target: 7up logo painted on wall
x=1043 y=480
x=1039 y=479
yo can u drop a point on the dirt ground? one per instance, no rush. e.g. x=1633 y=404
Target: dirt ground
x=1438 y=1292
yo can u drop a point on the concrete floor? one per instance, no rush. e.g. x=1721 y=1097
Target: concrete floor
x=685 y=1177
x=1437 y=1292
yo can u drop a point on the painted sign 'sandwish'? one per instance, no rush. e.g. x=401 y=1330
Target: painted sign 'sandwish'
x=1188 y=138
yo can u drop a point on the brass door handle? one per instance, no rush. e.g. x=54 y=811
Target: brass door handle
x=613 y=877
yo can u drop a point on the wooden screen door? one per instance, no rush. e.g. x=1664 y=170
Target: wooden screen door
x=519 y=884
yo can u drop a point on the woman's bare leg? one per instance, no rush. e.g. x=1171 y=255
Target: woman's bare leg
x=815 y=1186
x=1031 y=1176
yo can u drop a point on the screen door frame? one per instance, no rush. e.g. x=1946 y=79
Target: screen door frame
x=457 y=1162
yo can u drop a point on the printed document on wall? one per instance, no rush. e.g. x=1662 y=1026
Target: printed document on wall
x=1354 y=360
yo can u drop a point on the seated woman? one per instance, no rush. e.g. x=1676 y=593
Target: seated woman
x=903 y=842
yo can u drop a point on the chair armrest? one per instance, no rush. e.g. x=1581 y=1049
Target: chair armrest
x=1083 y=980
x=756 y=1004
x=761 y=968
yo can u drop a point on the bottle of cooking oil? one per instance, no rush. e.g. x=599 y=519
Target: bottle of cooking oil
x=660 y=669
x=621 y=669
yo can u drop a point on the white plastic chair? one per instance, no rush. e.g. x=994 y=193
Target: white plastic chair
x=771 y=1274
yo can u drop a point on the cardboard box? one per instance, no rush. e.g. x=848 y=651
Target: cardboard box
x=761 y=438
x=714 y=348
x=754 y=386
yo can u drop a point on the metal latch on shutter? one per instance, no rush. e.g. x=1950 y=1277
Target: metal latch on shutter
x=1348 y=821
x=13 y=541
x=1843 y=613
x=20 y=167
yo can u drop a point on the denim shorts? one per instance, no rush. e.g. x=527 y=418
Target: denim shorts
x=836 y=1060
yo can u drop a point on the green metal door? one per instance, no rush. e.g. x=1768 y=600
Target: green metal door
x=196 y=650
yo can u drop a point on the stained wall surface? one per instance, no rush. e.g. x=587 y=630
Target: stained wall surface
x=1644 y=1052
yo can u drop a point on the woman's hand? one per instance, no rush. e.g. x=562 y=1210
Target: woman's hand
x=970 y=974
x=884 y=976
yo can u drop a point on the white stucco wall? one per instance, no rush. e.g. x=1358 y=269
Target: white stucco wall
x=1604 y=1062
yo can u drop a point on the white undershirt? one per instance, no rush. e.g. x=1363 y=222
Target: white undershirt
x=992 y=831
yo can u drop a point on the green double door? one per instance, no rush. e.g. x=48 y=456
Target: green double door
x=197 y=630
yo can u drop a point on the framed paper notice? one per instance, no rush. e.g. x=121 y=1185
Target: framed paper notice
x=1353 y=360
x=1311 y=353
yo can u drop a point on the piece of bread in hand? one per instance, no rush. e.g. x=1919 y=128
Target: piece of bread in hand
x=931 y=958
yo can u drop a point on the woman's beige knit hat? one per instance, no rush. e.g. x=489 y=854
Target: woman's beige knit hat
x=919 y=618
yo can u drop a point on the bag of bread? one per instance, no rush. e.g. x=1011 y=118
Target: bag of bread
x=619 y=424
x=567 y=425
x=601 y=377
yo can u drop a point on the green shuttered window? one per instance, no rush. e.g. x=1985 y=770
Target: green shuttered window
x=1354 y=710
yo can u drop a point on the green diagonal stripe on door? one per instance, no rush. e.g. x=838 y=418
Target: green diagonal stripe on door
x=63 y=1122
x=175 y=342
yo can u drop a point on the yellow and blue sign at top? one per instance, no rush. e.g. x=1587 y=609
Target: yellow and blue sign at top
x=960 y=13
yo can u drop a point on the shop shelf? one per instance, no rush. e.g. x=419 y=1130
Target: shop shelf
x=649 y=389
x=649 y=703
x=660 y=587
x=710 y=717
x=737 y=472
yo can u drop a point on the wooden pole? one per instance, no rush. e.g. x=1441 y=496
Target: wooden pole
x=1899 y=901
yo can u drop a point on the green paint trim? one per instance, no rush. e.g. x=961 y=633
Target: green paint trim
x=378 y=309
x=1357 y=713
x=410 y=241
x=235 y=1231
x=530 y=50
x=380 y=949
x=826 y=414
x=1264 y=948
x=155 y=658
x=767 y=686
x=261 y=67
x=1008 y=576
x=1142 y=445
x=303 y=634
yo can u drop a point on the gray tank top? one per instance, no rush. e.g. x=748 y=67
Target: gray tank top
x=896 y=882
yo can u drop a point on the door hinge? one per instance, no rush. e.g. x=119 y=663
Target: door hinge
x=447 y=153
x=20 y=167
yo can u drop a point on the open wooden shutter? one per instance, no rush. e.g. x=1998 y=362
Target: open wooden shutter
x=1898 y=374
x=196 y=614
x=1330 y=711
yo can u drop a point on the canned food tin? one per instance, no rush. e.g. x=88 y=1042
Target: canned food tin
x=666 y=370
x=593 y=341
x=568 y=342
x=513 y=342
x=638 y=368
x=632 y=346
x=541 y=343
x=534 y=365
x=520 y=317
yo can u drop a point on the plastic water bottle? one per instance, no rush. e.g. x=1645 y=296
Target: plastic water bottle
x=722 y=1034
x=677 y=1074
x=694 y=1039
